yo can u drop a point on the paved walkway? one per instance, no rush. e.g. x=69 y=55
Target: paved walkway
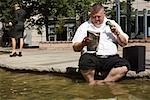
x=52 y=60
x=41 y=59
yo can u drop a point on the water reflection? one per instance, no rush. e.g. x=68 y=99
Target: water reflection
x=39 y=86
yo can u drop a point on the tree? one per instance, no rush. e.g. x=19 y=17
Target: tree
x=50 y=8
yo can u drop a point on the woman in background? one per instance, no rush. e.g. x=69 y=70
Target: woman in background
x=18 y=29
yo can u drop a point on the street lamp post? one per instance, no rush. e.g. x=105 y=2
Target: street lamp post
x=118 y=11
x=145 y=23
x=129 y=17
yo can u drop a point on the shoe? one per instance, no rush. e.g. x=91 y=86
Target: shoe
x=13 y=55
x=20 y=54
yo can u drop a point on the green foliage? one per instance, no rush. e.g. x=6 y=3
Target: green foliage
x=56 y=8
x=66 y=8
x=123 y=7
x=60 y=24
x=6 y=9
x=7 y=16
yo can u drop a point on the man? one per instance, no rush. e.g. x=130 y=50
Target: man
x=105 y=58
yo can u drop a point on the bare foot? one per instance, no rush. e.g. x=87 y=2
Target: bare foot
x=92 y=83
x=97 y=82
x=100 y=82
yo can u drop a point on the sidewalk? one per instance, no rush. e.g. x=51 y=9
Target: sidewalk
x=41 y=59
x=53 y=60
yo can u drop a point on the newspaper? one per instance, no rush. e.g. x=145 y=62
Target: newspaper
x=94 y=40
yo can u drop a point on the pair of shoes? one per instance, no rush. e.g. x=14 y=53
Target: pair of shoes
x=13 y=55
x=20 y=54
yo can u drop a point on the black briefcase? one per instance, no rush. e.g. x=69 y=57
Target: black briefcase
x=136 y=57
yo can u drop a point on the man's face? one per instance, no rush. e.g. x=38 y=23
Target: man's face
x=98 y=18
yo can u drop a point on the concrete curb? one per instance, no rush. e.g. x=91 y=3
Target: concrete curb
x=58 y=58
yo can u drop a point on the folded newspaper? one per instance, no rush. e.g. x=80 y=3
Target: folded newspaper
x=94 y=40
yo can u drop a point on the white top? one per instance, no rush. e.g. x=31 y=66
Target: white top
x=107 y=42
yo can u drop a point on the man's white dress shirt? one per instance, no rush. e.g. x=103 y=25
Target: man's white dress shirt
x=107 y=41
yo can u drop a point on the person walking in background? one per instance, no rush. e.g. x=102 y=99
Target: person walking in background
x=104 y=59
x=17 y=29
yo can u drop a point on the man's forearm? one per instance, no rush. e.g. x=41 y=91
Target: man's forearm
x=121 y=40
x=77 y=47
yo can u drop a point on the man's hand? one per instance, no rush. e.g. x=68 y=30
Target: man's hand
x=86 y=41
x=120 y=38
x=114 y=30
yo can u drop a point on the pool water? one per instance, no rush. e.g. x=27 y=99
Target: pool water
x=17 y=85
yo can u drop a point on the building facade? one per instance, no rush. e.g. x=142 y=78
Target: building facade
x=65 y=32
x=140 y=20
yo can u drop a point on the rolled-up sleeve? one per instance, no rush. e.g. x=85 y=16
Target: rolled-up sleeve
x=80 y=34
